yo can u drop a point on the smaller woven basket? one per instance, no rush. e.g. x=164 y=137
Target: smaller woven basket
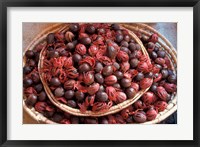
x=77 y=112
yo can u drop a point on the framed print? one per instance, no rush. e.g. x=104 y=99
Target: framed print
x=77 y=73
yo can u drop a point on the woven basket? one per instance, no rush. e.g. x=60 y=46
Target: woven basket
x=142 y=28
x=77 y=112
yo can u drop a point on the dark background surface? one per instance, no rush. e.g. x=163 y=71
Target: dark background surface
x=30 y=30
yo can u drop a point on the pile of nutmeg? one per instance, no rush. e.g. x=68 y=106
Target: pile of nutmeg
x=94 y=67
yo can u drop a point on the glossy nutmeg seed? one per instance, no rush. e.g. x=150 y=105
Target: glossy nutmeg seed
x=99 y=78
x=132 y=47
x=138 y=104
x=69 y=94
x=115 y=26
x=101 y=88
x=134 y=62
x=117 y=85
x=50 y=38
x=42 y=96
x=31 y=100
x=74 y=27
x=27 y=69
x=59 y=92
x=125 y=49
x=104 y=120
x=80 y=96
x=153 y=88
x=125 y=82
x=172 y=79
x=101 y=96
x=112 y=52
x=55 y=82
x=71 y=103
x=84 y=67
x=35 y=77
x=27 y=82
x=130 y=92
x=98 y=66
x=154 y=55
x=164 y=73
x=30 y=54
x=139 y=76
x=119 y=38
x=150 y=45
x=86 y=40
x=70 y=46
x=107 y=70
x=38 y=87
x=124 y=43
x=138 y=47
x=116 y=66
x=161 y=53
x=119 y=75
x=76 y=58
x=32 y=63
x=90 y=29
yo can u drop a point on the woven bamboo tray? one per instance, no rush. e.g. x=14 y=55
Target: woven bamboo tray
x=142 y=28
x=77 y=112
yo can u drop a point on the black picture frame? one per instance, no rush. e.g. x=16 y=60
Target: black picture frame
x=4 y=4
